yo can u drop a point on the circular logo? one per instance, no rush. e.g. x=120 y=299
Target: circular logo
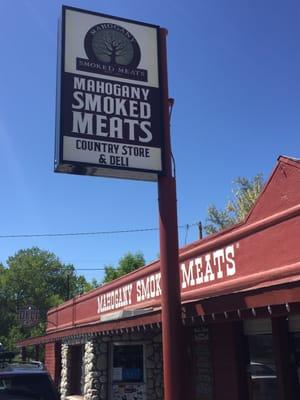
x=112 y=44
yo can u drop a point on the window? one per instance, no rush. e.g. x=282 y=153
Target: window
x=128 y=363
x=261 y=369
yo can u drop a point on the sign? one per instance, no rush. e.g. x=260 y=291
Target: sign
x=109 y=106
x=29 y=316
x=208 y=268
x=129 y=391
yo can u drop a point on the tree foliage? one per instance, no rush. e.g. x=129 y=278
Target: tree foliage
x=129 y=262
x=245 y=193
x=34 y=277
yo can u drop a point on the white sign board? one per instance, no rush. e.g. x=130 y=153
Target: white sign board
x=109 y=105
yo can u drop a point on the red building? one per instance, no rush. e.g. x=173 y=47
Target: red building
x=240 y=310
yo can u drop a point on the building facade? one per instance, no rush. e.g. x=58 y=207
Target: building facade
x=240 y=293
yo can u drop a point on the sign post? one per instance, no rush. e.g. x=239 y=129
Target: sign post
x=113 y=121
x=172 y=330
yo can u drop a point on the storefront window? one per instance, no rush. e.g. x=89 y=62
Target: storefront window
x=261 y=369
x=128 y=363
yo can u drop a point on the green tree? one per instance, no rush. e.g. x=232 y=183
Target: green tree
x=245 y=193
x=34 y=277
x=5 y=312
x=129 y=262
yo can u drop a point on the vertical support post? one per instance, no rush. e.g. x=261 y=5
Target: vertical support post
x=68 y=286
x=37 y=352
x=23 y=354
x=229 y=361
x=200 y=230
x=172 y=329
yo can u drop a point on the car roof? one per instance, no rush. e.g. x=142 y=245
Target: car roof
x=18 y=369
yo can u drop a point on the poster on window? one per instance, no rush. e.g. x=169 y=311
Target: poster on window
x=125 y=391
x=109 y=105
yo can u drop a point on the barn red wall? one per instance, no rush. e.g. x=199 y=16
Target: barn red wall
x=281 y=192
x=53 y=360
x=50 y=359
x=263 y=250
x=264 y=254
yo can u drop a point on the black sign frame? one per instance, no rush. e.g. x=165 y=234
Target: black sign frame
x=124 y=169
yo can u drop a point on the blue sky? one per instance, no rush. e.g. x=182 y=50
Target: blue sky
x=234 y=74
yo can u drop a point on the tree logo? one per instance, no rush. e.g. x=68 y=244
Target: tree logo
x=112 y=44
x=112 y=50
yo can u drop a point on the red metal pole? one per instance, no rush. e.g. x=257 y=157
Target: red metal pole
x=172 y=330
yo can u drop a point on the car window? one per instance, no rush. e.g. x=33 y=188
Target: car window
x=26 y=387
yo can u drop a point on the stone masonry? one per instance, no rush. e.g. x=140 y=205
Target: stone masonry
x=95 y=378
x=65 y=371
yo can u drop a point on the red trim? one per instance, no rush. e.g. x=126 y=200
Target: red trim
x=65 y=316
x=141 y=321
